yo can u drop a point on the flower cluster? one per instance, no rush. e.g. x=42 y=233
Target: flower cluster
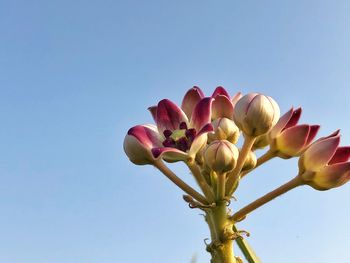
x=209 y=128
x=204 y=134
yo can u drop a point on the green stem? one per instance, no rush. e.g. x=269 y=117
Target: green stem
x=247 y=251
x=234 y=175
x=208 y=192
x=241 y=214
x=181 y=184
x=221 y=184
x=221 y=246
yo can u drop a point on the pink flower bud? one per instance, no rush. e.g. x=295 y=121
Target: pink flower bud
x=324 y=165
x=287 y=138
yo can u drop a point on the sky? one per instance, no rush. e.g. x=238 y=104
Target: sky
x=76 y=75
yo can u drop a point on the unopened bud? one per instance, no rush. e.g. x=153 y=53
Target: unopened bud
x=224 y=129
x=261 y=142
x=250 y=161
x=255 y=114
x=221 y=156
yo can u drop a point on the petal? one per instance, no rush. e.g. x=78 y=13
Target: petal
x=276 y=110
x=282 y=122
x=291 y=141
x=312 y=134
x=222 y=107
x=334 y=134
x=146 y=134
x=241 y=108
x=153 y=111
x=138 y=143
x=331 y=176
x=190 y=100
x=235 y=98
x=320 y=153
x=169 y=116
x=294 y=118
x=220 y=91
x=169 y=154
x=342 y=154
x=201 y=114
x=200 y=140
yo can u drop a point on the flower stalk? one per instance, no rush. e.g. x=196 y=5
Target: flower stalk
x=177 y=181
x=222 y=235
x=242 y=213
x=234 y=175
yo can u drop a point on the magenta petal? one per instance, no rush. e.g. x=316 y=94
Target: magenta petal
x=312 y=134
x=169 y=116
x=222 y=107
x=206 y=128
x=320 y=153
x=169 y=154
x=190 y=100
x=334 y=134
x=220 y=91
x=201 y=114
x=291 y=141
x=282 y=122
x=294 y=118
x=153 y=111
x=138 y=143
x=341 y=155
x=146 y=135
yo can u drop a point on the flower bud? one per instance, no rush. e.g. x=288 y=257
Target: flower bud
x=255 y=114
x=221 y=156
x=261 y=142
x=250 y=161
x=224 y=129
x=138 y=144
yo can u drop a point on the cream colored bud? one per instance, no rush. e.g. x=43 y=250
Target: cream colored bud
x=250 y=161
x=224 y=129
x=261 y=142
x=255 y=114
x=221 y=156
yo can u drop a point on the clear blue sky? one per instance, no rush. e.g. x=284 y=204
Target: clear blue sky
x=75 y=75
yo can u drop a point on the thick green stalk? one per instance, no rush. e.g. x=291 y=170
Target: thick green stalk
x=221 y=246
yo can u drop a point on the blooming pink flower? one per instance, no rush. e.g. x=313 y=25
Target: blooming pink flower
x=324 y=165
x=289 y=139
x=175 y=137
x=222 y=106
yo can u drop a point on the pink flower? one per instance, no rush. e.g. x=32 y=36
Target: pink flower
x=324 y=165
x=289 y=139
x=174 y=138
x=222 y=106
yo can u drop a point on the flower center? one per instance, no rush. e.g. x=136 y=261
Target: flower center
x=181 y=138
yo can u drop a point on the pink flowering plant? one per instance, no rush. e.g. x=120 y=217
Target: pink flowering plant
x=203 y=133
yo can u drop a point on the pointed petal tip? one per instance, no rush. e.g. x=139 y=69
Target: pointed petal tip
x=220 y=91
x=342 y=154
